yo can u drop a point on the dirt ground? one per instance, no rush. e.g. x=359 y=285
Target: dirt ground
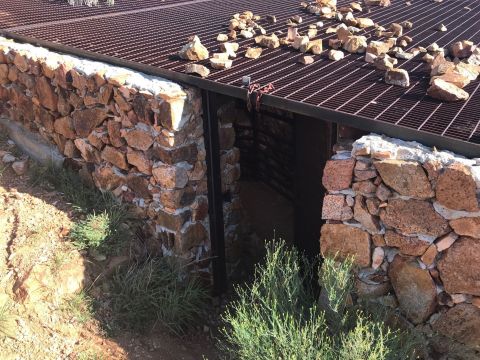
x=41 y=275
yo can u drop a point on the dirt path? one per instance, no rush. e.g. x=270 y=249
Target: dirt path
x=42 y=315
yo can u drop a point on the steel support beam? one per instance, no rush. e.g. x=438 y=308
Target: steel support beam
x=215 y=198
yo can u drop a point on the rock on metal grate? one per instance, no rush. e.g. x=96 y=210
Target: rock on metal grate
x=151 y=32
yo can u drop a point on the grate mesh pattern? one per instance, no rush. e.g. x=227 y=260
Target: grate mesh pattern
x=151 y=32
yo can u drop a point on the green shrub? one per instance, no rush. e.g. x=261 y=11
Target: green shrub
x=277 y=316
x=91 y=232
x=156 y=291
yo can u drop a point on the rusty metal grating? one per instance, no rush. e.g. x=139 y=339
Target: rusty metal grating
x=151 y=32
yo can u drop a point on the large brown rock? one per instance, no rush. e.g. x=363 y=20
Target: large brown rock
x=344 y=241
x=64 y=126
x=414 y=217
x=446 y=91
x=89 y=153
x=456 y=188
x=337 y=174
x=467 y=226
x=408 y=245
x=84 y=121
x=140 y=160
x=115 y=157
x=414 y=288
x=139 y=138
x=459 y=267
x=363 y=216
x=46 y=94
x=405 y=177
x=194 y=235
x=108 y=178
x=334 y=208
x=170 y=176
x=460 y=323
x=193 y=50
x=113 y=128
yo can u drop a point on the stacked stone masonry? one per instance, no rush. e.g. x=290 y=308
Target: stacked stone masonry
x=410 y=217
x=137 y=136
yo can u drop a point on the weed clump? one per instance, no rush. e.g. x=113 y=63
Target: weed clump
x=104 y=214
x=156 y=291
x=279 y=316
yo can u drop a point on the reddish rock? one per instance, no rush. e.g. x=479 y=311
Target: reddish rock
x=89 y=153
x=20 y=167
x=414 y=217
x=139 y=185
x=446 y=91
x=433 y=168
x=334 y=208
x=459 y=267
x=84 y=121
x=345 y=241
x=194 y=235
x=200 y=209
x=408 y=245
x=467 y=226
x=456 y=188
x=95 y=138
x=139 y=138
x=446 y=241
x=338 y=174
x=173 y=221
x=462 y=49
x=175 y=198
x=370 y=284
x=428 y=258
x=365 y=174
x=46 y=94
x=107 y=178
x=226 y=137
x=175 y=155
x=373 y=205
x=382 y=192
x=115 y=156
x=113 y=128
x=378 y=240
x=3 y=74
x=44 y=117
x=64 y=107
x=169 y=176
x=64 y=126
x=71 y=150
x=461 y=323
x=415 y=290
x=405 y=177
x=140 y=160
x=105 y=94
x=365 y=188
x=361 y=214
x=377 y=257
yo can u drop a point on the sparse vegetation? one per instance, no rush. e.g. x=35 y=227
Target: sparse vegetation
x=79 y=306
x=278 y=316
x=156 y=291
x=104 y=214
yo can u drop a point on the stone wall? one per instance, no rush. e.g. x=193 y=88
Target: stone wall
x=410 y=216
x=138 y=136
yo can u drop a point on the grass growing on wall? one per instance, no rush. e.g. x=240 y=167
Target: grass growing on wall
x=279 y=316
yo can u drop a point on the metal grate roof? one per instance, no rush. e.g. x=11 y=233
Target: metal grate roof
x=151 y=32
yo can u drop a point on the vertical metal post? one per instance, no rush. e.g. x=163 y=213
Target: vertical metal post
x=215 y=199
x=313 y=147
